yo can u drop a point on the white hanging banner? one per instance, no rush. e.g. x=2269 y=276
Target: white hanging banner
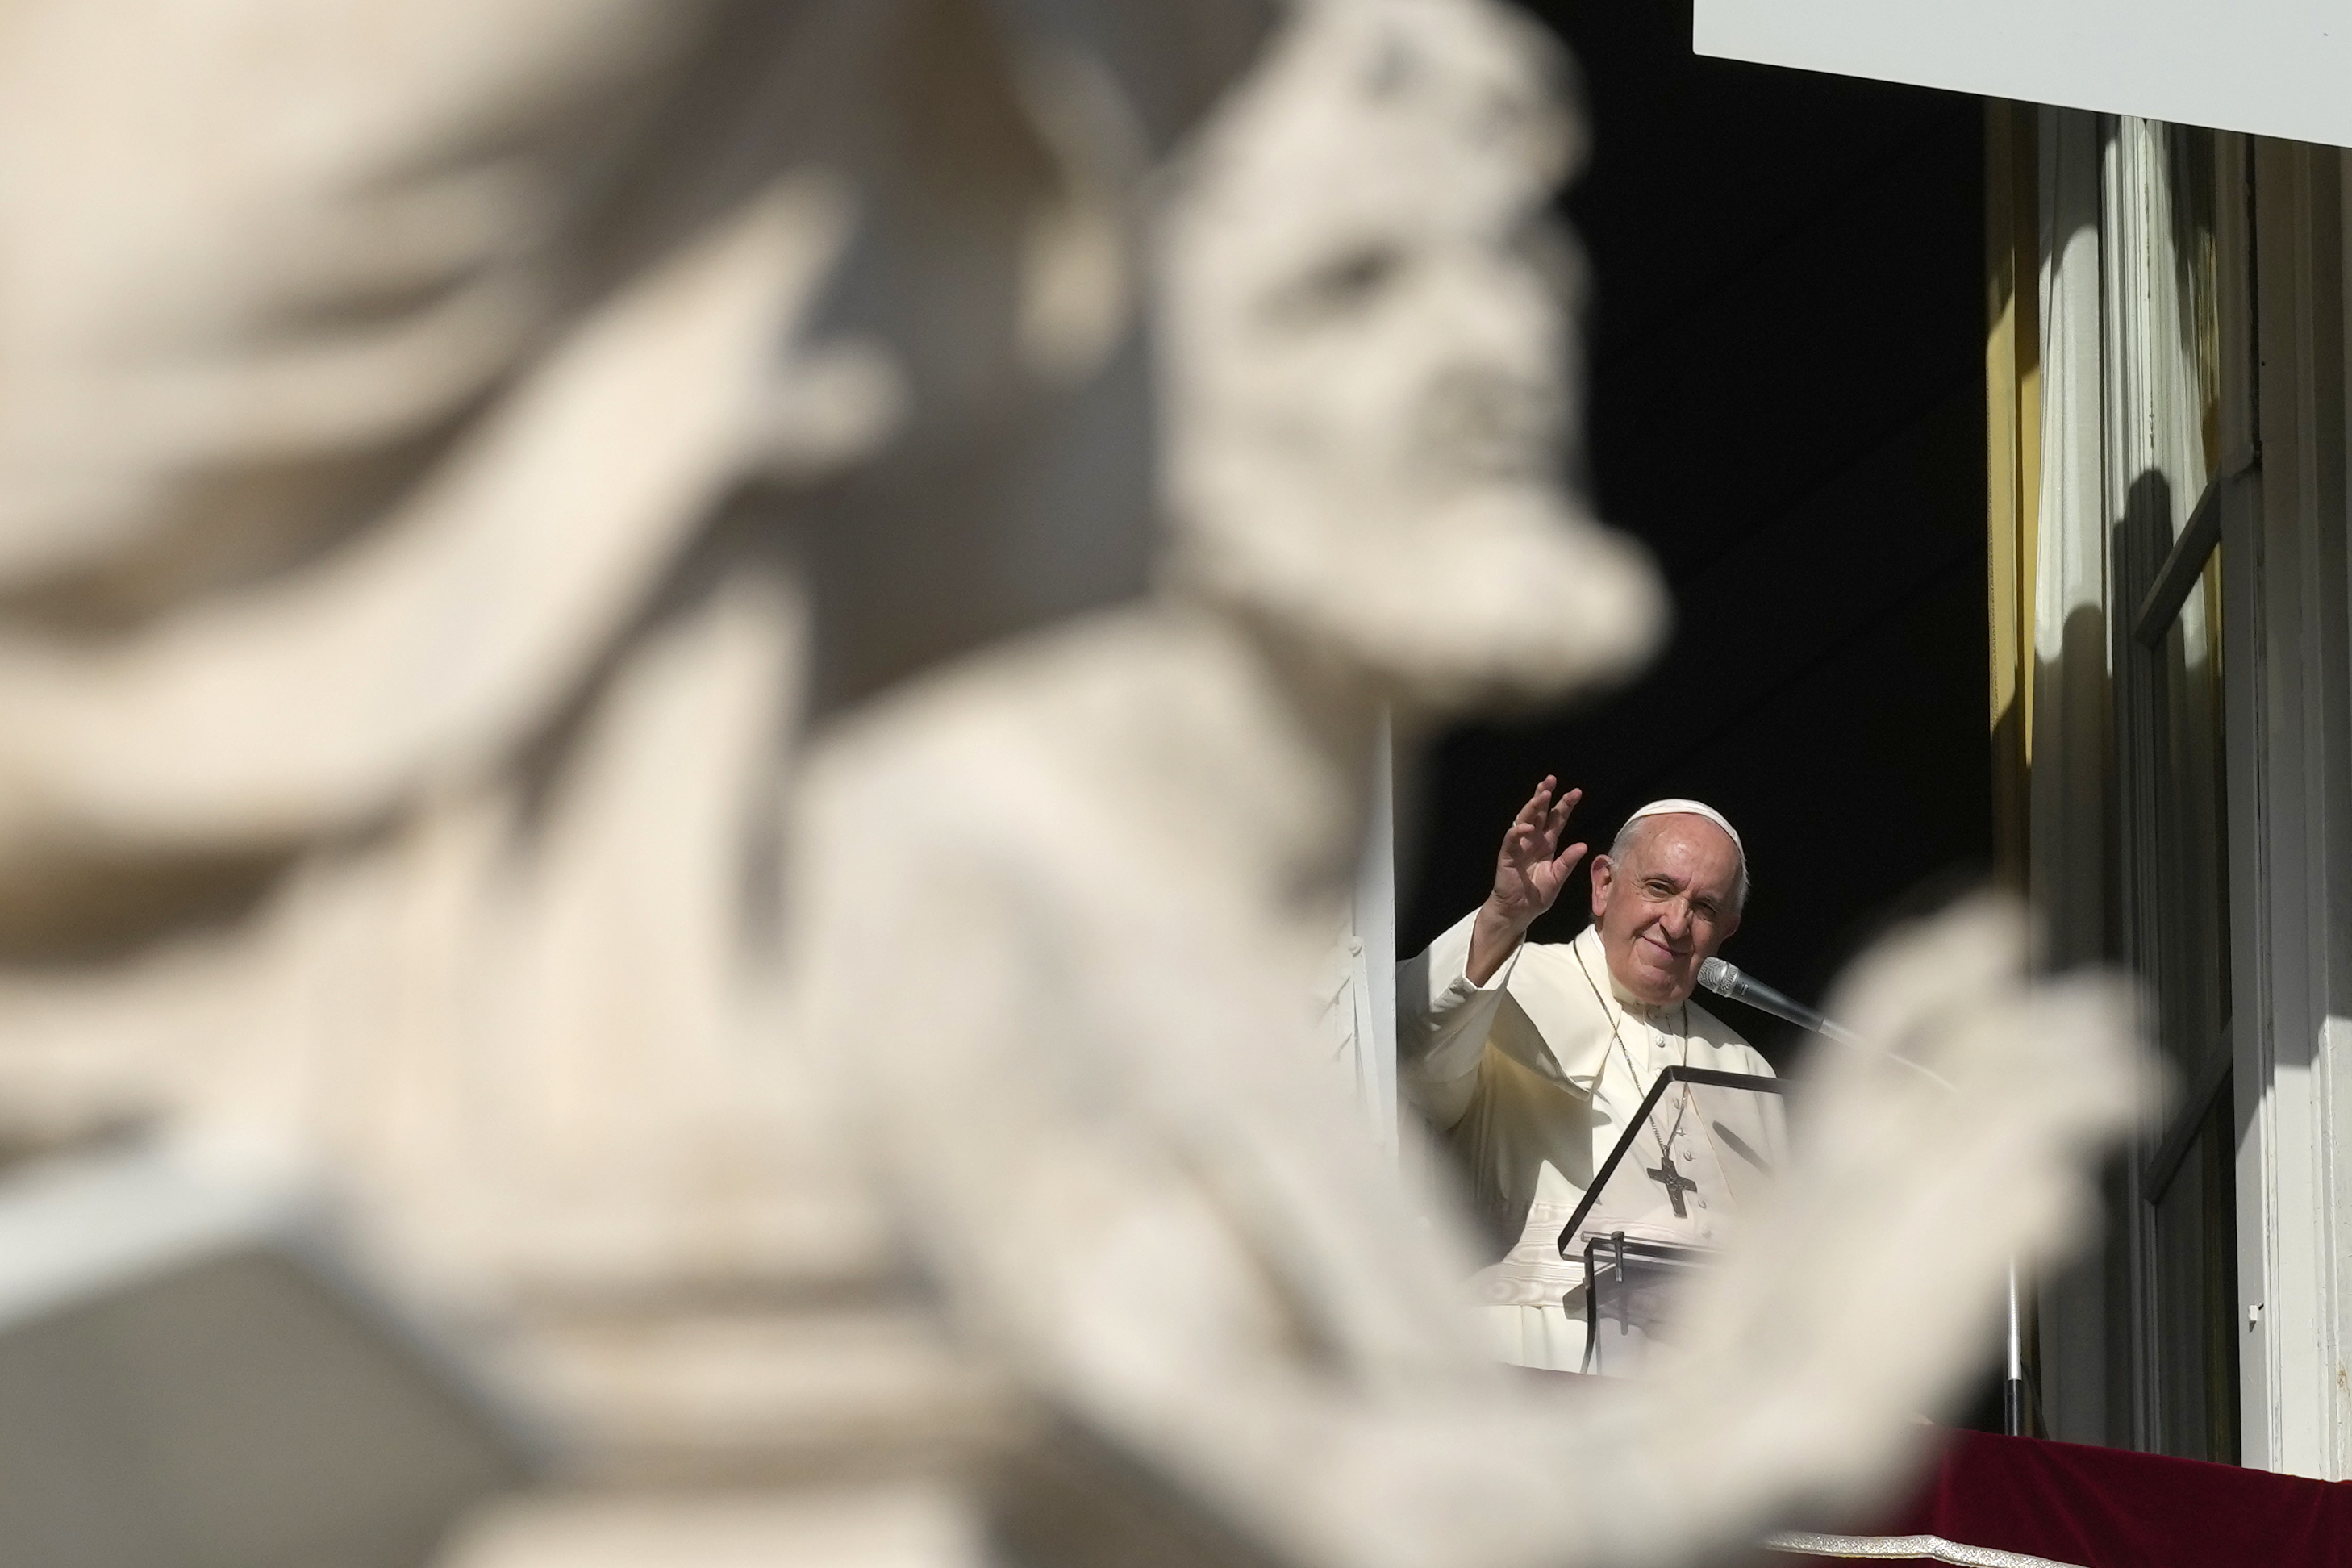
x=2276 y=67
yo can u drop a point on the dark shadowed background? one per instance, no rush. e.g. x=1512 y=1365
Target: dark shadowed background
x=1786 y=396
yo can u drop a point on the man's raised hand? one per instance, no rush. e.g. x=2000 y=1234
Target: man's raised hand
x=1529 y=871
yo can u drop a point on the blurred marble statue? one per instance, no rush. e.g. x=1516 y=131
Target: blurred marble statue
x=451 y=452
x=1119 y=847
x=411 y=423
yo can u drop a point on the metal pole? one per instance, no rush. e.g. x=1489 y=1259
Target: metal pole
x=2012 y=1389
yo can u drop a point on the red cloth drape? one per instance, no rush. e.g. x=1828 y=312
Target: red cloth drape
x=2110 y=1508
x=2106 y=1508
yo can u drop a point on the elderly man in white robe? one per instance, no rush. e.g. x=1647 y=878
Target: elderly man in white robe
x=1531 y=1058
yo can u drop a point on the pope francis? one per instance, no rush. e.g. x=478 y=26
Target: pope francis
x=1530 y=1057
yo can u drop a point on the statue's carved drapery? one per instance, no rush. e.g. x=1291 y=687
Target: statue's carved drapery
x=447 y=455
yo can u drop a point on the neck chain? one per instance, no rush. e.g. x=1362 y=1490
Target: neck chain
x=1617 y=1037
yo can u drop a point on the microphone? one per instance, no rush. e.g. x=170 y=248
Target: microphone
x=1725 y=980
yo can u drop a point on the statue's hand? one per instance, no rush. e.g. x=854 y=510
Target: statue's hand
x=1867 y=1285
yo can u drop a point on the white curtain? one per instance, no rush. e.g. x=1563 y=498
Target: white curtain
x=2069 y=855
x=2069 y=852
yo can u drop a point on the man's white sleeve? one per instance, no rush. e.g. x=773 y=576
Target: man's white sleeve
x=1441 y=1022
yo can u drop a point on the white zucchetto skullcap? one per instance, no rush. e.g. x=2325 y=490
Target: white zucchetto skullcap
x=1691 y=808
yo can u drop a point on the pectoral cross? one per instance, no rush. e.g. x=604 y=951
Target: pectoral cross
x=1676 y=1183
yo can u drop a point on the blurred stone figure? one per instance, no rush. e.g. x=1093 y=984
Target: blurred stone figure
x=1057 y=907
x=409 y=418
x=446 y=452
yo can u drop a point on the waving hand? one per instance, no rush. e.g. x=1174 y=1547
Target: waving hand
x=1529 y=871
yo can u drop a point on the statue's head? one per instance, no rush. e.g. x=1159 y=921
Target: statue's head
x=1370 y=379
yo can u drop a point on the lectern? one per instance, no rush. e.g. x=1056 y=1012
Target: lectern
x=1666 y=1202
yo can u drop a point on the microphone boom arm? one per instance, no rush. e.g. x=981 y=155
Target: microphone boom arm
x=1725 y=980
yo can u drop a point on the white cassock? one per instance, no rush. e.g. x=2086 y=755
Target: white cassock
x=1531 y=1079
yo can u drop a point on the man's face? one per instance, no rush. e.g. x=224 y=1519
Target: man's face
x=1665 y=910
